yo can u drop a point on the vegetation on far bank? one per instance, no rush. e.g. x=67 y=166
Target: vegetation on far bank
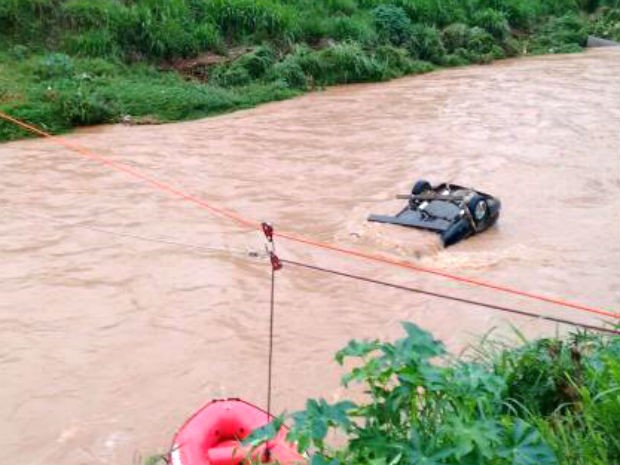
x=548 y=402
x=66 y=63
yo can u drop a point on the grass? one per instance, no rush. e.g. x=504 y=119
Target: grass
x=548 y=402
x=59 y=92
x=66 y=63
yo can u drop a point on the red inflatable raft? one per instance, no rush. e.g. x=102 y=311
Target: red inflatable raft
x=213 y=435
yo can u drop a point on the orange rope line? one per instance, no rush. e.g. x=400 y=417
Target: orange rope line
x=132 y=172
x=294 y=237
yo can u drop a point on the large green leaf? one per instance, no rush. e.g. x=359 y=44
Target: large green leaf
x=525 y=446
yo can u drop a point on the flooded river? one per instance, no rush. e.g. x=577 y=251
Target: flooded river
x=109 y=342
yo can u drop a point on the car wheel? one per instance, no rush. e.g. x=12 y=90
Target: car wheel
x=479 y=209
x=420 y=187
x=456 y=232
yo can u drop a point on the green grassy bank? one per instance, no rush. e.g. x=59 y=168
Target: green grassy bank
x=546 y=402
x=66 y=63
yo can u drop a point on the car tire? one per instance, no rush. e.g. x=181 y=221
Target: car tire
x=456 y=232
x=420 y=187
x=478 y=208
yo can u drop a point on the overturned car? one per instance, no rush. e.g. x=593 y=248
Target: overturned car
x=455 y=212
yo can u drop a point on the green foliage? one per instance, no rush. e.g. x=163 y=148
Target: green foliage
x=290 y=72
x=346 y=7
x=392 y=23
x=86 y=106
x=92 y=43
x=54 y=65
x=521 y=14
x=67 y=92
x=420 y=410
x=564 y=34
x=298 y=44
x=423 y=406
x=481 y=47
x=245 y=69
x=346 y=63
x=435 y=12
x=243 y=17
x=492 y=21
x=606 y=24
x=397 y=62
x=455 y=36
x=571 y=390
x=86 y=14
x=426 y=43
x=257 y=62
x=19 y=52
x=351 y=28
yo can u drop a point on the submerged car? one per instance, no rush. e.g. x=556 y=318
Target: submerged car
x=455 y=212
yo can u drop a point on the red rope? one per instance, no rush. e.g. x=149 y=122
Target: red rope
x=296 y=238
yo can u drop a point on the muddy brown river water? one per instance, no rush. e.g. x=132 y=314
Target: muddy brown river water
x=108 y=342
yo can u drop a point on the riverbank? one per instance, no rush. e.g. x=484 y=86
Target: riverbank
x=552 y=401
x=72 y=63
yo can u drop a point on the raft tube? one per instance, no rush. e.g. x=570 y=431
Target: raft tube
x=213 y=435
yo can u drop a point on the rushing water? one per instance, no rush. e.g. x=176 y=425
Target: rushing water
x=108 y=342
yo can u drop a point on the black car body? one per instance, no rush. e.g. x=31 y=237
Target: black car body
x=454 y=211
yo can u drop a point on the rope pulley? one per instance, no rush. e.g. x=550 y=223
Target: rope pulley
x=270 y=246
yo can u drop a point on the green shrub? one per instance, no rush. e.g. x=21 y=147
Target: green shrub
x=258 y=93
x=455 y=36
x=418 y=411
x=571 y=389
x=346 y=63
x=256 y=62
x=242 y=17
x=309 y=61
x=392 y=23
x=290 y=72
x=347 y=7
x=312 y=29
x=551 y=401
x=245 y=69
x=99 y=67
x=521 y=14
x=421 y=66
x=356 y=29
x=54 y=65
x=169 y=38
x=87 y=14
x=27 y=19
x=353 y=40
x=396 y=61
x=19 y=52
x=514 y=47
x=460 y=57
x=92 y=43
x=45 y=115
x=169 y=99
x=426 y=43
x=439 y=13
x=87 y=107
x=230 y=76
x=207 y=37
x=606 y=24
x=492 y=21
x=480 y=41
x=565 y=34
